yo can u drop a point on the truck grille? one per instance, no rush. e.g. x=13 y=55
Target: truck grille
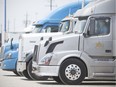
x=36 y=53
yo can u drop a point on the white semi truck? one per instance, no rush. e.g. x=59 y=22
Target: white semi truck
x=88 y=52
x=24 y=64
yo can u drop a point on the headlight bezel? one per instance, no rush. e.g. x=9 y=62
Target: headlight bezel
x=46 y=59
x=8 y=56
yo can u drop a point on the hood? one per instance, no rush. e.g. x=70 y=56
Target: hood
x=7 y=46
x=33 y=35
x=13 y=54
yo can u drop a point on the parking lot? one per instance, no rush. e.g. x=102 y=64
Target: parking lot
x=9 y=79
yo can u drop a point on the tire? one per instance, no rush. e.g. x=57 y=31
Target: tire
x=57 y=79
x=25 y=73
x=20 y=73
x=16 y=73
x=33 y=75
x=72 y=71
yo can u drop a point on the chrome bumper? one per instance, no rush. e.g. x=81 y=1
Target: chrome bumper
x=46 y=70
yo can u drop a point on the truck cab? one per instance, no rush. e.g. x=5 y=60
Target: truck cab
x=90 y=51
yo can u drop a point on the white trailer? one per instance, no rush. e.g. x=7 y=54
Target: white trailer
x=88 y=52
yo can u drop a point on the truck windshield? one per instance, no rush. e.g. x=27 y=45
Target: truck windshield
x=37 y=29
x=80 y=25
x=64 y=26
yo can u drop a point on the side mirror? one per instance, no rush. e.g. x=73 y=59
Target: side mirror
x=50 y=39
x=91 y=28
x=11 y=44
x=85 y=35
x=41 y=38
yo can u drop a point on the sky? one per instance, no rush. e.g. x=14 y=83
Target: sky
x=18 y=10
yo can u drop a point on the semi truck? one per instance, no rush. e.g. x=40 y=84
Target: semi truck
x=25 y=66
x=87 y=53
x=27 y=41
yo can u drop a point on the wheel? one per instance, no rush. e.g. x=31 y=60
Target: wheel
x=72 y=71
x=25 y=73
x=33 y=75
x=16 y=73
x=57 y=79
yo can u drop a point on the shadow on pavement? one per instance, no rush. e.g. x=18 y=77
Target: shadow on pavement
x=84 y=83
x=33 y=80
x=11 y=75
x=25 y=79
x=49 y=83
x=98 y=83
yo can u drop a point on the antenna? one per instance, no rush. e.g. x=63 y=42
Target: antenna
x=83 y=3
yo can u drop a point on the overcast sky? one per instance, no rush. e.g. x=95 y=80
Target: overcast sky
x=34 y=9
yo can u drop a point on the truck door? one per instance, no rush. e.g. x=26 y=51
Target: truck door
x=98 y=44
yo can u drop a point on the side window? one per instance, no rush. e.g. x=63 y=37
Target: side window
x=51 y=29
x=99 y=26
x=64 y=26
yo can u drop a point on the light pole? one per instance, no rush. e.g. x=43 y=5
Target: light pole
x=5 y=15
x=26 y=20
x=4 y=29
x=51 y=5
x=83 y=3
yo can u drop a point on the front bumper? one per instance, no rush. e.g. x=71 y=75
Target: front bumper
x=9 y=64
x=21 y=66
x=46 y=70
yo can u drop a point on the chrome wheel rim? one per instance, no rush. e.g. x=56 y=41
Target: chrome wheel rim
x=72 y=72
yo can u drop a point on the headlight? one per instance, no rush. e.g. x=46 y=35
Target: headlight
x=46 y=59
x=9 y=55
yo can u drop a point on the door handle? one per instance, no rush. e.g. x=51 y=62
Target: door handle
x=108 y=51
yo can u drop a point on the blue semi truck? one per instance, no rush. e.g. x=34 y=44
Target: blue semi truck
x=10 y=50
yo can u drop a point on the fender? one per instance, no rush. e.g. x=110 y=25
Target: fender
x=88 y=61
x=89 y=64
x=29 y=57
x=75 y=55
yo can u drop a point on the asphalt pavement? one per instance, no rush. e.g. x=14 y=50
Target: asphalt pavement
x=9 y=79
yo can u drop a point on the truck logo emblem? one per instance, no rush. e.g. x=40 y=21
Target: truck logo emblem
x=32 y=41
x=99 y=44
